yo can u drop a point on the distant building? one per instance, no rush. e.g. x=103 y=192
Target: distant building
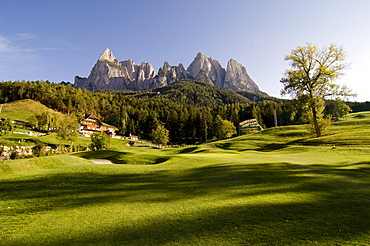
x=133 y=137
x=92 y=124
x=249 y=126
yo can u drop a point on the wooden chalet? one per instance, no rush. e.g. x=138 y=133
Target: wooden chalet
x=249 y=126
x=92 y=124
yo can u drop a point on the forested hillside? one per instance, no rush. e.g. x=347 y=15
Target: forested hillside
x=188 y=109
x=192 y=92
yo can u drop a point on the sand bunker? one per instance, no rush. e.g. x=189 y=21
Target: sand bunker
x=101 y=161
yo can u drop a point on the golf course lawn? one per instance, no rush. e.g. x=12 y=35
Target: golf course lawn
x=271 y=188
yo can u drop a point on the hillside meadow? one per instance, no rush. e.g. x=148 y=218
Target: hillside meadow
x=22 y=110
x=277 y=187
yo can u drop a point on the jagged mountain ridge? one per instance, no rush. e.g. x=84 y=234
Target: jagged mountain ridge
x=109 y=73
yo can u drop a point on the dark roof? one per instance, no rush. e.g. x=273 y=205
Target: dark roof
x=91 y=116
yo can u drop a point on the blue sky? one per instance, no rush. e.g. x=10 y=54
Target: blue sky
x=57 y=40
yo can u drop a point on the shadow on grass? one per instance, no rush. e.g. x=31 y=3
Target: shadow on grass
x=238 y=225
x=120 y=157
x=266 y=147
x=339 y=212
x=187 y=150
x=273 y=146
x=269 y=147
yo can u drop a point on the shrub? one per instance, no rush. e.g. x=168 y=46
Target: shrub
x=100 y=140
x=39 y=150
x=13 y=154
x=5 y=126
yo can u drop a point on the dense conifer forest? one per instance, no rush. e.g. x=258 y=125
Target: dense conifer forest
x=187 y=109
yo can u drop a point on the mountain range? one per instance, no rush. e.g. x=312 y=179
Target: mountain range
x=109 y=73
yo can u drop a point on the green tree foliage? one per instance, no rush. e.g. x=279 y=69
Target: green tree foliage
x=311 y=78
x=6 y=126
x=258 y=97
x=160 y=135
x=33 y=121
x=100 y=140
x=67 y=129
x=359 y=106
x=39 y=150
x=45 y=121
x=223 y=128
x=337 y=108
x=194 y=93
x=323 y=123
x=112 y=64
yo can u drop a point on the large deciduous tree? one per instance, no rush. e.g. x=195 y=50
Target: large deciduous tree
x=311 y=79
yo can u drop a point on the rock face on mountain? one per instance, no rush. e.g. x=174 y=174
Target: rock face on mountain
x=237 y=78
x=207 y=70
x=170 y=74
x=109 y=73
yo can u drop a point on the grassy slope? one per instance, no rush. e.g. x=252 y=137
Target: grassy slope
x=278 y=187
x=23 y=109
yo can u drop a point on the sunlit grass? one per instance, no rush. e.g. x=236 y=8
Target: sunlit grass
x=23 y=109
x=272 y=188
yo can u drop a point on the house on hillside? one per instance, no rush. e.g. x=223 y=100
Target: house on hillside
x=249 y=126
x=133 y=137
x=92 y=124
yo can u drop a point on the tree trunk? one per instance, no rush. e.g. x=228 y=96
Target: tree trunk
x=315 y=123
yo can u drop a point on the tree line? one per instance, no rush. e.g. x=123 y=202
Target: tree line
x=190 y=116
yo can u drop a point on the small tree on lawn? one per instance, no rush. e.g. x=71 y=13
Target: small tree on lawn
x=160 y=135
x=39 y=150
x=68 y=129
x=100 y=140
x=5 y=126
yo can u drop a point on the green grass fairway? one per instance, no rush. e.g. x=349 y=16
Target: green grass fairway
x=277 y=187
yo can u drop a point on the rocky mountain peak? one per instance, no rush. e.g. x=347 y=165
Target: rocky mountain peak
x=107 y=55
x=238 y=79
x=232 y=61
x=200 y=55
x=109 y=73
x=169 y=74
x=207 y=69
